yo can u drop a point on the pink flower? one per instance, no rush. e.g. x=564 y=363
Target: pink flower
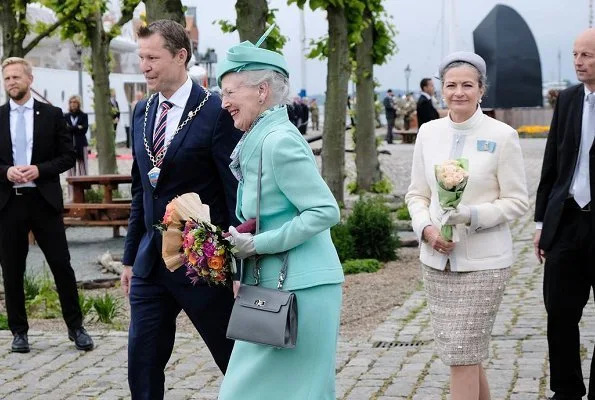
x=188 y=240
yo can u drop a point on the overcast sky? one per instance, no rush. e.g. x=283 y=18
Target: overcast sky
x=554 y=24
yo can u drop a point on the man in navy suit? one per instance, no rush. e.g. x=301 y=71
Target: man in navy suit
x=182 y=141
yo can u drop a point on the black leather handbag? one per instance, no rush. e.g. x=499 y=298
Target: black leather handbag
x=262 y=315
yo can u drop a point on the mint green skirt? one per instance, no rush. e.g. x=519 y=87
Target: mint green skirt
x=307 y=372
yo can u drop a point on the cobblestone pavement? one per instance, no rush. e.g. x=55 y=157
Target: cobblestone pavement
x=397 y=362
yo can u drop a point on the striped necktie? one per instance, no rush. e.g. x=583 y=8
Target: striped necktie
x=159 y=135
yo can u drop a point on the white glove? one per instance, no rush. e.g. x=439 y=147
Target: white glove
x=460 y=215
x=243 y=243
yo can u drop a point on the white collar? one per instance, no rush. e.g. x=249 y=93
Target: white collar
x=587 y=92
x=28 y=104
x=180 y=96
x=427 y=96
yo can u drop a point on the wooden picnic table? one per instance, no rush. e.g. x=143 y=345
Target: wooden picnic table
x=110 y=212
x=109 y=183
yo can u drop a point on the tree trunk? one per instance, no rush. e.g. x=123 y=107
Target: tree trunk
x=251 y=19
x=366 y=156
x=12 y=32
x=105 y=134
x=335 y=106
x=165 y=9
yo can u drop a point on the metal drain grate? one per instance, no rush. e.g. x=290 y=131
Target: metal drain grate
x=388 y=345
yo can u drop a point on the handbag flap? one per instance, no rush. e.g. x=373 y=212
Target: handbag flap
x=262 y=298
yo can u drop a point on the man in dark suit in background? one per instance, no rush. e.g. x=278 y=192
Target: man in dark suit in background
x=565 y=234
x=34 y=149
x=425 y=108
x=181 y=142
x=391 y=114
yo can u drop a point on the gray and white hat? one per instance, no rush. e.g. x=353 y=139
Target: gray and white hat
x=465 y=56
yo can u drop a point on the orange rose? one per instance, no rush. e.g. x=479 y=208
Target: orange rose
x=192 y=259
x=216 y=262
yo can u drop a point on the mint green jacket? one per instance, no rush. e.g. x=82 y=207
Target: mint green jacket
x=297 y=208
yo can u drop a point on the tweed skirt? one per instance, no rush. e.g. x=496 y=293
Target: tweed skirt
x=463 y=307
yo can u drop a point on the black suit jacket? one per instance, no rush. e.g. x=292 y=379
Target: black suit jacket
x=53 y=152
x=197 y=160
x=79 y=135
x=425 y=111
x=559 y=162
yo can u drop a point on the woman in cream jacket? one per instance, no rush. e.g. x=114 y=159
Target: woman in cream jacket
x=464 y=281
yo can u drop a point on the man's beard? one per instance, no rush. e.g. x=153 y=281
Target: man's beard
x=19 y=96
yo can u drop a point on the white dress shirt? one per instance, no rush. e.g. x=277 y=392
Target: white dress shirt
x=28 y=115
x=174 y=116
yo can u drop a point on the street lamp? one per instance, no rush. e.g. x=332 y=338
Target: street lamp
x=79 y=52
x=407 y=75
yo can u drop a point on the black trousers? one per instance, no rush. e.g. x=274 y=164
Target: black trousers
x=31 y=212
x=390 y=124
x=155 y=303
x=568 y=280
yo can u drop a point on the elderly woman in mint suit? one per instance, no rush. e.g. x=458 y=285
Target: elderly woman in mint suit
x=296 y=212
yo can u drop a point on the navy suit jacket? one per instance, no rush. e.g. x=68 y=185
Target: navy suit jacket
x=197 y=160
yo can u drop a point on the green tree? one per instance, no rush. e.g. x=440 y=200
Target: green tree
x=374 y=46
x=14 y=26
x=165 y=9
x=252 y=19
x=87 y=28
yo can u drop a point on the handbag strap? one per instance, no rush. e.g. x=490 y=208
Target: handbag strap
x=283 y=271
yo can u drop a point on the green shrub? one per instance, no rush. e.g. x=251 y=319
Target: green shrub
x=372 y=229
x=343 y=242
x=85 y=303
x=106 y=307
x=30 y=286
x=46 y=304
x=360 y=265
x=94 y=195
x=3 y=322
x=403 y=213
x=352 y=187
x=383 y=186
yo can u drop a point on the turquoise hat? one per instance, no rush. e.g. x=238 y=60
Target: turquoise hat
x=250 y=57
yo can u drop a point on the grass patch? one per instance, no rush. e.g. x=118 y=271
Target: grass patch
x=361 y=265
x=3 y=322
x=106 y=307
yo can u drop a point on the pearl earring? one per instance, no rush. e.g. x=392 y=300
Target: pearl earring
x=479 y=102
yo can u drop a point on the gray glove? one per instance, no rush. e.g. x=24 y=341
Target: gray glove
x=243 y=243
x=460 y=215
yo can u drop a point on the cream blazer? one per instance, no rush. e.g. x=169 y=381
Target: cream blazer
x=496 y=190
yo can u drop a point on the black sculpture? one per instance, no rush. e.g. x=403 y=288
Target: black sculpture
x=506 y=43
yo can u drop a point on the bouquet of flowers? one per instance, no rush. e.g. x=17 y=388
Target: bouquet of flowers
x=452 y=177
x=190 y=240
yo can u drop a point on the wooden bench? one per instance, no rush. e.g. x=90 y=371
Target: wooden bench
x=97 y=214
x=110 y=212
x=408 y=136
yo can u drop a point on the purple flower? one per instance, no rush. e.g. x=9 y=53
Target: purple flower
x=208 y=249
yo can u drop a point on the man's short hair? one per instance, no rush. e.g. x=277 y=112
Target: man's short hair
x=173 y=34
x=18 y=60
x=389 y=91
x=424 y=82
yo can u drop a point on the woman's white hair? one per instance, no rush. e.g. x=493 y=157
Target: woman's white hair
x=277 y=82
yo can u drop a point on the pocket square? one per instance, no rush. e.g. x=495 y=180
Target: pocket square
x=486 y=145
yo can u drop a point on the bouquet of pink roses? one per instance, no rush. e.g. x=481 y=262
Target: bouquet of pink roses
x=452 y=177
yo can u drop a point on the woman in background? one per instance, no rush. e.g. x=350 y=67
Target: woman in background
x=77 y=123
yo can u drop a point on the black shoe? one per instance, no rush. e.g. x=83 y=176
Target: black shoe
x=81 y=338
x=20 y=343
x=558 y=397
